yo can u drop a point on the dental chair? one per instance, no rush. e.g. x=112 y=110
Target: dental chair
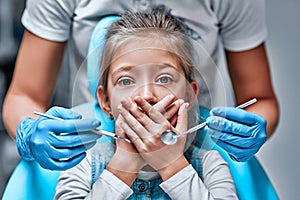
x=30 y=181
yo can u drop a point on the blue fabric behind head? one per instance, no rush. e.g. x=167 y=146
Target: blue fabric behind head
x=95 y=50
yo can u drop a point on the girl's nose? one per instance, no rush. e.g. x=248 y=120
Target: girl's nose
x=148 y=93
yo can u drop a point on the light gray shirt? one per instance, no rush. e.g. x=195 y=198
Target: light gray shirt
x=235 y=25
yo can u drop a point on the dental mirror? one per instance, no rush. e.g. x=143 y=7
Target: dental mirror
x=169 y=137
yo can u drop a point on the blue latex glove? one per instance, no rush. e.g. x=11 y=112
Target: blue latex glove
x=55 y=144
x=237 y=131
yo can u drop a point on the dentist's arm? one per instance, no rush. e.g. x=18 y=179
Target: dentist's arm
x=251 y=78
x=239 y=132
x=34 y=78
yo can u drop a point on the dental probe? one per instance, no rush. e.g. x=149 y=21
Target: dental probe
x=97 y=131
x=169 y=137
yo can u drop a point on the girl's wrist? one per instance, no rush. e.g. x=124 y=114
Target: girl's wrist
x=127 y=177
x=127 y=161
x=125 y=165
x=170 y=170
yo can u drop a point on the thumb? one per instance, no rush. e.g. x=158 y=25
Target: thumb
x=182 y=120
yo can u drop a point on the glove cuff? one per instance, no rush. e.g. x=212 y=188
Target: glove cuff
x=23 y=135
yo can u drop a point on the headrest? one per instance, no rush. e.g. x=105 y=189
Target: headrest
x=95 y=50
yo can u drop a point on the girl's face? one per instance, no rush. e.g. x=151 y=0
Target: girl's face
x=147 y=71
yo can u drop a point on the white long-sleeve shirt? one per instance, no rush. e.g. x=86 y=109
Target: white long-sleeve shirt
x=76 y=183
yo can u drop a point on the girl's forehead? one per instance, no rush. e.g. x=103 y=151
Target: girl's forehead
x=140 y=45
x=141 y=53
x=146 y=49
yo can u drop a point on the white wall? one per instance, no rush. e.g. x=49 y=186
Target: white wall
x=280 y=155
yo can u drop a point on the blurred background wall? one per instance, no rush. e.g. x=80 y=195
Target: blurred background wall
x=11 y=32
x=279 y=156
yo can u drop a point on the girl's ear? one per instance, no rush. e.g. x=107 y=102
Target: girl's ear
x=103 y=100
x=193 y=92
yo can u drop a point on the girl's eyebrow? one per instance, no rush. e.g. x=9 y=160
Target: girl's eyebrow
x=122 y=69
x=128 y=68
x=168 y=65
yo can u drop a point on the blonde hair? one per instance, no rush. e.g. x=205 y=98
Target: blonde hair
x=156 y=25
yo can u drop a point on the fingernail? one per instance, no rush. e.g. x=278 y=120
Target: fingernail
x=187 y=105
x=180 y=101
x=218 y=110
x=123 y=101
x=120 y=109
x=171 y=96
x=211 y=120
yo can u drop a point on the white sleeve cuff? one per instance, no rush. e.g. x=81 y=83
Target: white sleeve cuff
x=179 y=180
x=118 y=187
x=246 y=44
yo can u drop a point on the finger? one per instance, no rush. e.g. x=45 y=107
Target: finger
x=182 y=120
x=231 y=140
x=134 y=125
x=60 y=154
x=69 y=126
x=238 y=115
x=72 y=140
x=67 y=164
x=163 y=104
x=119 y=128
x=237 y=153
x=154 y=114
x=136 y=139
x=136 y=112
x=173 y=120
x=63 y=113
x=222 y=124
x=173 y=109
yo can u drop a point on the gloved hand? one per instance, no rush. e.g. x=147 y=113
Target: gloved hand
x=55 y=144
x=237 y=131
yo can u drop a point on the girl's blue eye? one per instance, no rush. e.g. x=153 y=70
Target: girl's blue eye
x=165 y=80
x=125 y=82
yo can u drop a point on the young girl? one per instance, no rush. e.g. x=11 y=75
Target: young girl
x=147 y=86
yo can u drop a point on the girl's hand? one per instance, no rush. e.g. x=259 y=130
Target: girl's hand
x=169 y=107
x=144 y=125
x=126 y=157
x=127 y=151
